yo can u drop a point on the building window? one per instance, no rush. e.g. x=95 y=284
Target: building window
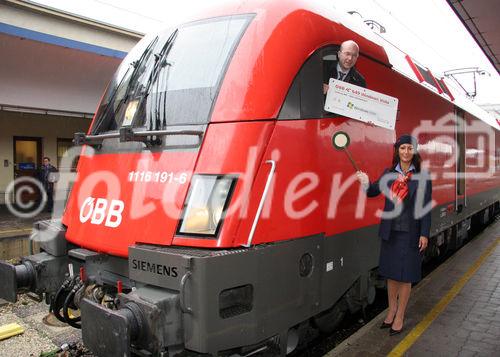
x=62 y=146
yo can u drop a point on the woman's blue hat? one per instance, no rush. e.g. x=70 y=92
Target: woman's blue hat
x=406 y=139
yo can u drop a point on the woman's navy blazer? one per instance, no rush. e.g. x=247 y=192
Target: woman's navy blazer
x=419 y=186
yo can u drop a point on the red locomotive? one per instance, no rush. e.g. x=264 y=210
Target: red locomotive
x=211 y=213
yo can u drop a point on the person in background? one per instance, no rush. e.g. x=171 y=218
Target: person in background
x=344 y=68
x=48 y=176
x=404 y=227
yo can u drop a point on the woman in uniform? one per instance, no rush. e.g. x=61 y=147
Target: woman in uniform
x=404 y=227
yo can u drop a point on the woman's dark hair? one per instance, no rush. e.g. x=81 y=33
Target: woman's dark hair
x=416 y=160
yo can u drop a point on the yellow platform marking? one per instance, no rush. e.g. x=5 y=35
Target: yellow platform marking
x=10 y=330
x=418 y=330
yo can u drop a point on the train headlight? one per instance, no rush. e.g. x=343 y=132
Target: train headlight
x=206 y=204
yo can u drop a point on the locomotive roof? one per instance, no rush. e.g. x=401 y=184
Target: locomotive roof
x=399 y=63
x=280 y=37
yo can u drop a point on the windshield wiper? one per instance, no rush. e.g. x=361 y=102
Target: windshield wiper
x=128 y=134
x=160 y=63
x=136 y=64
x=107 y=110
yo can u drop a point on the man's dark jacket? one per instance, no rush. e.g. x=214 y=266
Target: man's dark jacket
x=353 y=77
x=43 y=175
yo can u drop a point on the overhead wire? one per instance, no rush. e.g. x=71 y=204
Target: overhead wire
x=128 y=10
x=413 y=33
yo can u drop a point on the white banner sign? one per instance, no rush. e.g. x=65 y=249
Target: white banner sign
x=362 y=104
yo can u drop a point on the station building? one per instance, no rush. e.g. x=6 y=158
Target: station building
x=54 y=68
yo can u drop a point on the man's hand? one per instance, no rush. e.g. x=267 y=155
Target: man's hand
x=325 y=88
x=423 y=242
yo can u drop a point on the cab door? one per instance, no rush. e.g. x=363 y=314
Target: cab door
x=460 y=194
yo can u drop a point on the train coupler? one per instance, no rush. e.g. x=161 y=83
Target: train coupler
x=38 y=273
x=146 y=321
x=14 y=278
x=110 y=332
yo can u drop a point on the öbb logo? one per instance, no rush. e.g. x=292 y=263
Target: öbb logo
x=98 y=210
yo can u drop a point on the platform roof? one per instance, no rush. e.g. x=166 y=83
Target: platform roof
x=55 y=61
x=480 y=18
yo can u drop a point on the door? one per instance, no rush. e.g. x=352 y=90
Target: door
x=27 y=161
x=460 y=201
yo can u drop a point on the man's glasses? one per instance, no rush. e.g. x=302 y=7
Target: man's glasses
x=350 y=54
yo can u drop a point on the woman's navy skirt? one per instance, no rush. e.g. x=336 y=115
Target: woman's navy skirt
x=400 y=258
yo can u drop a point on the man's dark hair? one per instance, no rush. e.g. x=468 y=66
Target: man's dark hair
x=46 y=157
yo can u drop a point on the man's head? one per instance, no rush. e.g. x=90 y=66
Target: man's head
x=348 y=55
x=46 y=160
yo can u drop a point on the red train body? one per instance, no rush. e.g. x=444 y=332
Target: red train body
x=252 y=214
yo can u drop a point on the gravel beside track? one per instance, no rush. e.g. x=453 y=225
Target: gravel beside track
x=37 y=337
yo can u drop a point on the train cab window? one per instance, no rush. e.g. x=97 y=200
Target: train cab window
x=329 y=57
x=172 y=78
x=305 y=97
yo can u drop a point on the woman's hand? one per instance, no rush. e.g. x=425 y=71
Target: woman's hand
x=423 y=242
x=363 y=179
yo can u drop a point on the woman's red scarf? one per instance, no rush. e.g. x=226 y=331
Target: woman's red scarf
x=399 y=188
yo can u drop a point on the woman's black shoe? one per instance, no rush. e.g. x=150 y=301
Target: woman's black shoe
x=385 y=325
x=393 y=332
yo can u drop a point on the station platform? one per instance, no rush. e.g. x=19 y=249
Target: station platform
x=13 y=226
x=15 y=232
x=454 y=311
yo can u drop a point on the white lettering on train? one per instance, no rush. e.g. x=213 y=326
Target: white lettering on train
x=100 y=210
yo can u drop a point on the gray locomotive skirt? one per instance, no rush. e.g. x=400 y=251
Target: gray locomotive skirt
x=400 y=258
